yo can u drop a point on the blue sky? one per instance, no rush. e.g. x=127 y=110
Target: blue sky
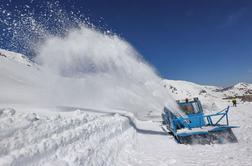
x=203 y=41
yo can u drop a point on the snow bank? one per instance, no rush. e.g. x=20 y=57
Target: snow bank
x=76 y=138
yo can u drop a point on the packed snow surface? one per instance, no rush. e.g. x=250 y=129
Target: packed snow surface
x=71 y=136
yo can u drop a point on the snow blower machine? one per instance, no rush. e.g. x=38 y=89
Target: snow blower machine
x=194 y=127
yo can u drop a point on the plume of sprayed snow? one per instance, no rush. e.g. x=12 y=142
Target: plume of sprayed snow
x=25 y=26
x=83 y=66
x=101 y=70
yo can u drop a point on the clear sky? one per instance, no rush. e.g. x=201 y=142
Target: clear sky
x=203 y=41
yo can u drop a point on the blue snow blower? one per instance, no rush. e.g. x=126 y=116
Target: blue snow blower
x=197 y=128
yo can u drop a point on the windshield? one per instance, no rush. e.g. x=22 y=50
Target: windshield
x=187 y=108
x=190 y=108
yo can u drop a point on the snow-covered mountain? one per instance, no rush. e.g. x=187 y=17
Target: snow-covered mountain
x=15 y=57
x=209 y=95
x=185 y=89
x=47 y=135
x=237 y=90
x=21 y=80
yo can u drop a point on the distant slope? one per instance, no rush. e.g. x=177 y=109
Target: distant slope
x=209 y=95
x=185 y=89
x=20 y=79
x=15 y=57
x=237 y=90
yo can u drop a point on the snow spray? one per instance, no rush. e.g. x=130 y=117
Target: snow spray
x=92 y=68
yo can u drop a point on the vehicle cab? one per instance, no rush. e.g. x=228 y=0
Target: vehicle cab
x=194 y=112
